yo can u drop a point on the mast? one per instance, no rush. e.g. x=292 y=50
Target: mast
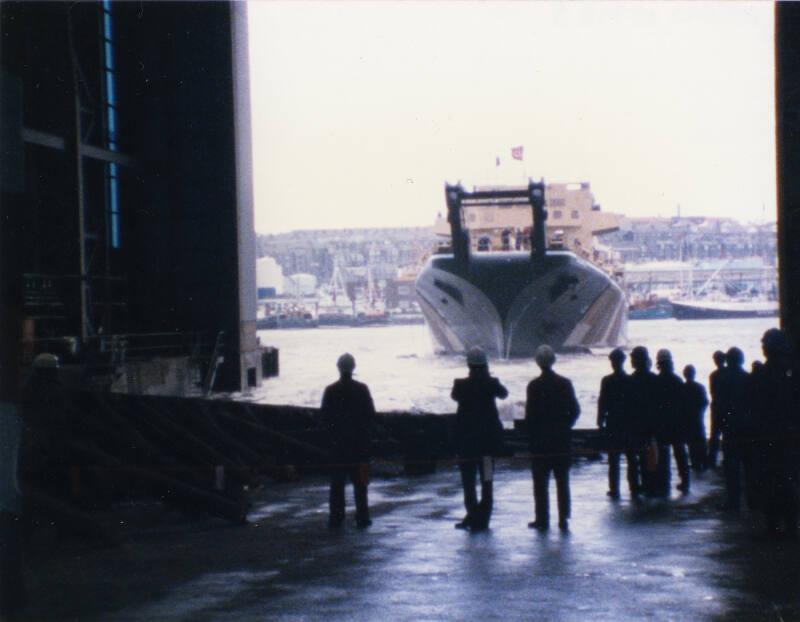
x=538 y=231
x=458 y=234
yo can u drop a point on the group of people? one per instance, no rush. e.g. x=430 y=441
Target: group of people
x=643 y=416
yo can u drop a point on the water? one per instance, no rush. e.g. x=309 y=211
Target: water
x=403 y=373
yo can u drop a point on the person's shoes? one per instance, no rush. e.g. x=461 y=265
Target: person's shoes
x=539 y=525
x=479 y=527
x=464 y=524
x=613 y=494
x=334 y=524
x=563 y=525
x=363 y=523
x=683 y=487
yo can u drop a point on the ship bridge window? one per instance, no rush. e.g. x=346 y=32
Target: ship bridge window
x=575 y=214
x=451 y=291
x=557 y=214
x=556 y=202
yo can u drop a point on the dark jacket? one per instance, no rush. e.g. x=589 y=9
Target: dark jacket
x=613 y=404
x=642 y=413
x=478 y=430
x=735 y=420
x=670 y=424
x=550 y=412
x=696 y=402
x=775 y=403
x=716 y=386
x=347 y=412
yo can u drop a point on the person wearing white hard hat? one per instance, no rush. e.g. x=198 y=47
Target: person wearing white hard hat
x=478 y=437
x=347 y=414
x=614 y=421
x=551 y=411
x=670 y=417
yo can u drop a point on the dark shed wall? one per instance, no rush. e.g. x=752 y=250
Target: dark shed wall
x=179 y=206
x=787 y=64
x=182 y=231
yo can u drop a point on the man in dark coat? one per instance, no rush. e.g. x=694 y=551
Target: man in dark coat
x=735 y=424
x=775 y=410
x=478 y=437
x=642 y=414
x=670 y=428
x=696 y=404
x=347 y=413
x=613 y=420
x=716 y=382
x=551 y=411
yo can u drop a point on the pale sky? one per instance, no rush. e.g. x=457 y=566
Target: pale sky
x=362 y=110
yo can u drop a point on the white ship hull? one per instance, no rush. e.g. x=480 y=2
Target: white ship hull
x=509 y=306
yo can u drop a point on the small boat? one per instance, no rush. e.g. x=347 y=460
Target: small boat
x=723 y=309
x=650 y=308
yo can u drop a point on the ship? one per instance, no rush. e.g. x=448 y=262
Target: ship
x=511 y=301
x=723 y=309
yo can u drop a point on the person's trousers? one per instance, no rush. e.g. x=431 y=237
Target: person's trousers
x=698 y=452
x=632 y=460
x=478 y=512
x=732 y=462
x=714 y=441
x=339 y=476
x=541 y=469
x=657 y=481
x=681 y=454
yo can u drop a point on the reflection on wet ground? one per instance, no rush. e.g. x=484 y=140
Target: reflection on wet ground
x=677 y=559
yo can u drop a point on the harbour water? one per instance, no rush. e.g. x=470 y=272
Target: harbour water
x=404 y=374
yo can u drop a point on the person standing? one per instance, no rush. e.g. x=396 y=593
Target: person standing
x=551 y=411
x=696 y=404
x=735 y=424
x=478 y=437
x=347 y=414
x=642 y=417
x=613 y=420
x=775 y=407
x=716 y=382
x=670 y=424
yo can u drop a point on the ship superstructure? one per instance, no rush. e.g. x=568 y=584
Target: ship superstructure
x=511 y=301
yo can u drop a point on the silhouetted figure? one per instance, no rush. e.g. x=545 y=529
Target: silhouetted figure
x=551 y=410
x=735 y=423
x=775 y=408
x=716 y=381
x=613 y=420
x=671 y=424
x=478 y=437
x=347 y=413
x=696 y=404
x=643 y=415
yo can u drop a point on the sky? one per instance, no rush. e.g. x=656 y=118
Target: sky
x=363 y=110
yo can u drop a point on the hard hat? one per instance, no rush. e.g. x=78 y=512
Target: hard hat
x=617 y=354
x=735 y=357
x=663 y=355
x=544 y=356
x=775 y=340
x=45 y=361
x=476 y=357
x=346 y=362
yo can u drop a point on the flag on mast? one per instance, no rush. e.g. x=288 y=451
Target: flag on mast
x=516 y=152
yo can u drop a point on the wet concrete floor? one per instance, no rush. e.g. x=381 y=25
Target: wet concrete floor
x=680 y=559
